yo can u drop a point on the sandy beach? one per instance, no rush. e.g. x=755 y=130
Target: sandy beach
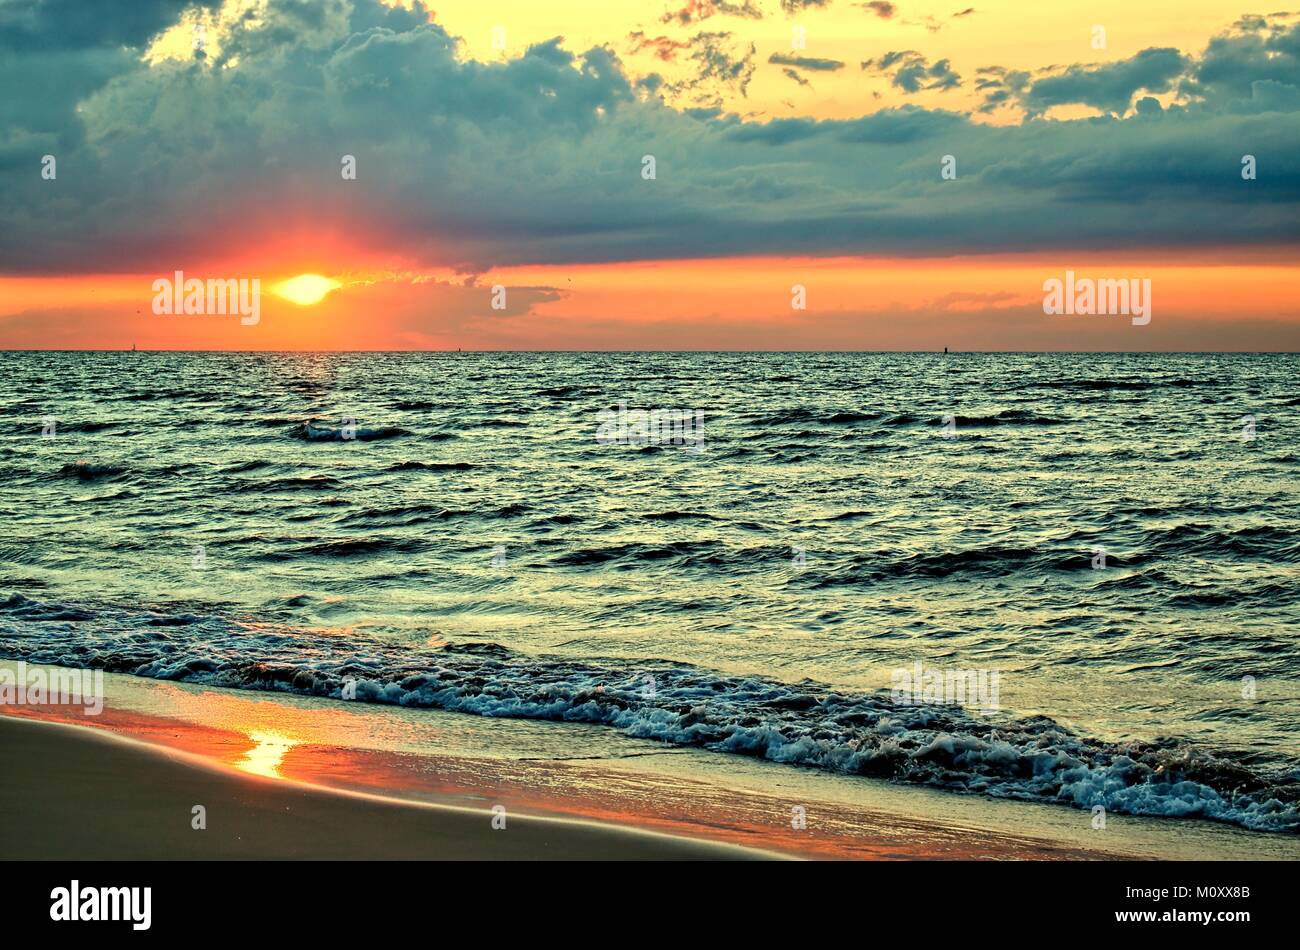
x=90 y=795
x=294 y=777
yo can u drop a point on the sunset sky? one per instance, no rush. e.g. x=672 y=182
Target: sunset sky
x=795 y=142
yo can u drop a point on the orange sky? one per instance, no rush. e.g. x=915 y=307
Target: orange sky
x=209 y=140
x=1200 y=301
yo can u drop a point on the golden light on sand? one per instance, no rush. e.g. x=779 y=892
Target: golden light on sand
x=305 y=289
x=265 y=757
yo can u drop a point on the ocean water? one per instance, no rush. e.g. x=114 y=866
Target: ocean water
x=1106 y=542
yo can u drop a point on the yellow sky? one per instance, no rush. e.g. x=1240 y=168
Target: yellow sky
x=1008 y=33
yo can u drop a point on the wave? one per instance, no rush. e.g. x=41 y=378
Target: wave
x=311 y=432
x=1267 y=543
x=348 y=547
x=803 y=415
x=1006 y=417
x=431 y=467
x=566 y=392
x=1093 y=384
x=992 y=560
x=293 y=483
x=87 y=471
x=679 y=516
x=553 y=521
x=871 y=734
x=679 y=554
x=252 y=465
x=86 y=427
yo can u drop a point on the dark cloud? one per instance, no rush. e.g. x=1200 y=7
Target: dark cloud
x=886 y=127
x=537 y=159
x=1109 y=87
x=1148 y=106
x=880 y=8
x=1001 y=87
x=696 y=10
x=792 y=7
x=52 y=85
x=1253 y=68
x=793 y=74
x=51 y=25
x=910 y=71
x=722 y=63
x=904 y=125
x=664 y=47
x=1258 y=65
x=806 y=62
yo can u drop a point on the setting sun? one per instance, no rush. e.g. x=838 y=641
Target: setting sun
x=305 y=289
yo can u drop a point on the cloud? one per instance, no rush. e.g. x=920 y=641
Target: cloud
x=1109 y=87
x=880 y=8
x=910 y=71
x=935 y=24
x=887 y=127
x=792 y=7
x=47 y=26
x=1255 y=67
x=1001 y=86
x=664 y=47
x=806 y=62
x=722 y=63
x=696 y=10
x=537 y=159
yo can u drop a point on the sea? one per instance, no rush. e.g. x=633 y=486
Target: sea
x=1057 y=578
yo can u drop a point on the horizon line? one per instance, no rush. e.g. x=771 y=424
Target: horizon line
x=737 y=352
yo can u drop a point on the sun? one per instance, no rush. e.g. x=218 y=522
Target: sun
x=305 y=289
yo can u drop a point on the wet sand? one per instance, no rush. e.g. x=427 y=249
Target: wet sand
x=84 y=794
x=292 y=776
x=122 y=785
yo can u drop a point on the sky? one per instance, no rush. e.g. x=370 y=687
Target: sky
x=649 y=174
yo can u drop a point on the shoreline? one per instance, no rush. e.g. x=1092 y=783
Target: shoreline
x=154 y=737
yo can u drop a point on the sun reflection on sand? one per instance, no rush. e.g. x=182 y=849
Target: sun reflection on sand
x=265 y=757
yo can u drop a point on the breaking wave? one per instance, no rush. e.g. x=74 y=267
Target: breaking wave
x=869 y=734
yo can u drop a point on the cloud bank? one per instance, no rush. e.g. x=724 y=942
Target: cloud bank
x=538 y=159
